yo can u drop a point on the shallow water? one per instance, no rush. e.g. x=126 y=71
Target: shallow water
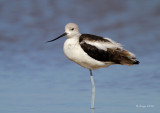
x=36 y=77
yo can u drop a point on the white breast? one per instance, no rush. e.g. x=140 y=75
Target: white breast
x=75 y=53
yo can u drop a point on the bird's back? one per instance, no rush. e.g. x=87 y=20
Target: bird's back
x=106 y=50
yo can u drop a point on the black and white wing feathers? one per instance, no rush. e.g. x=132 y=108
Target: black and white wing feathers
x=106 y=50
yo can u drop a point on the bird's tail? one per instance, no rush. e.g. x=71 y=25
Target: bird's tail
x=129 y=61
x=128 y=58
x=136 y=62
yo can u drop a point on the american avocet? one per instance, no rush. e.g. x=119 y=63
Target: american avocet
x=94 y=52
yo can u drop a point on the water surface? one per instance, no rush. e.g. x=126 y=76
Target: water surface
x=36 y=77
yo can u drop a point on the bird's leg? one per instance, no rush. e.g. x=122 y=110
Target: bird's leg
x=93 y=90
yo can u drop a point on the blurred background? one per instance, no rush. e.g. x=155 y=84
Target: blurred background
x=36 y=77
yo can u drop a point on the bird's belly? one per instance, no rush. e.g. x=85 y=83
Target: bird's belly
x=75 y=53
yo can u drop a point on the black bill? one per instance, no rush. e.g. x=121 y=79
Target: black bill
x=64 y=34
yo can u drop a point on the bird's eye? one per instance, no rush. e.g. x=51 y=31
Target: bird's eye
x=72 y=29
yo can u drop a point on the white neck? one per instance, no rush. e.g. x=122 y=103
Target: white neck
x=77 y=35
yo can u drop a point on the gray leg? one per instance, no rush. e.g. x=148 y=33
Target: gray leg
x=93 y=90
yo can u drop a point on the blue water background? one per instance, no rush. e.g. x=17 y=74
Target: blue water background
x=36 y=77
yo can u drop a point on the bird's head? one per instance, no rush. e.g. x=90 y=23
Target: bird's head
x=71 y=30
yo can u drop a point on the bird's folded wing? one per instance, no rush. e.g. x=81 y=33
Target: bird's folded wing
x=99 y=42
x=105 y=49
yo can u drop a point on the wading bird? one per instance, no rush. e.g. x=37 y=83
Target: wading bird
x=94 y=52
